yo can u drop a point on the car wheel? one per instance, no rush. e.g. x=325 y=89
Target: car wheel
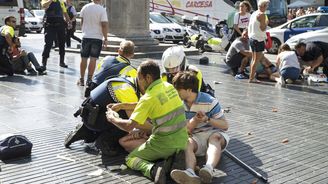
x=275 y=46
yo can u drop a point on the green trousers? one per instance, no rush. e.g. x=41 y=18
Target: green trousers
x=143 y=157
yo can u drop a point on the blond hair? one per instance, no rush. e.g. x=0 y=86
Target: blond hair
x=262 y=2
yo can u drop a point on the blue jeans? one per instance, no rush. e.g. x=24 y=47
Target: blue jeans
x=290 y=73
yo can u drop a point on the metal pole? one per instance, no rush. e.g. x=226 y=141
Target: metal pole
x=245 y=166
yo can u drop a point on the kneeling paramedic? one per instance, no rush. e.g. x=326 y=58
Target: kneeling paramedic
x=162 y=105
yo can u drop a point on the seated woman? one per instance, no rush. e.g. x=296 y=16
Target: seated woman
x=288 y=64
x=21 y=60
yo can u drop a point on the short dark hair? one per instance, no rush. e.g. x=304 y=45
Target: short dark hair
x=186 y=80
x=7 y=19
x=284 y=47
x=299 y=45
x=151 y=68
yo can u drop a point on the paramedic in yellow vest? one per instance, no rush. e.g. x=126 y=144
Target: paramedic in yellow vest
x=174 y=61
x=162 y=105
x=6 y=41
x=114 y=66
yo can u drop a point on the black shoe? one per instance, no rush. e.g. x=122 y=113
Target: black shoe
x=63 y=65
x=31 y=72
x=107 y=144
x=41 y=70
x=158 y=173
x=81 y=132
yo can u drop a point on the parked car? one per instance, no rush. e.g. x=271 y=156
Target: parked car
x=172 y=31
x=32 y=23
x=310 y=22
x=319 y=35
x=13 y=8
x=38 y=14
x=156 y=32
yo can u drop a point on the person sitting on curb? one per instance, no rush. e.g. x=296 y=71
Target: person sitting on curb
x=239 y=56
x=162 y=105
x=22 y=60
x=206 y=126
x=288 y=64
x=113 y=66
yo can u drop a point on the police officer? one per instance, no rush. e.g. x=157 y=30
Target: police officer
x=54 y=28
x=114 y=66
x=95 y=125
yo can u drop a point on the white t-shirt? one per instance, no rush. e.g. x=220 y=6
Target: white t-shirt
x=288 y=59
x=242 y=20
x=92 y=15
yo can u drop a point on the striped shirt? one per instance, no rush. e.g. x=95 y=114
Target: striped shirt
x=206 y=103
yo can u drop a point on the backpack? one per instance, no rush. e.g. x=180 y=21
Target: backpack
x=14 y=146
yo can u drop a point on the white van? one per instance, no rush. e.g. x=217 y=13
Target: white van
x=13 y=8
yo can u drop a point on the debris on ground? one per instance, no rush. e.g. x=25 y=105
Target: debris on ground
x=285 y=141
x=274 y=109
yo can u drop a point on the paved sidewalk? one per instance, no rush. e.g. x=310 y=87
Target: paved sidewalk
x=262 y=118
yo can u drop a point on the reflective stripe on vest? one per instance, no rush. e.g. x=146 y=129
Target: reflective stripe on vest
x=168 y=117
x=170 y=128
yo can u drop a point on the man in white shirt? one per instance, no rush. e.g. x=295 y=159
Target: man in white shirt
x=94 y=23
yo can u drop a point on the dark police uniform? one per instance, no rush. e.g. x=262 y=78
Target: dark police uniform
x=54 y=28
x=109 y=67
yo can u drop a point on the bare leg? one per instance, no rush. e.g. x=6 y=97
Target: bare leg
x=92 y=67
x=213 y=154
x=83 y=66
x=190 y=154
x=244 y=63
x=275 y=76
x=129 y=143
x=257 y=56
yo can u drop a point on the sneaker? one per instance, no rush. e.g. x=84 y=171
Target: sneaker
x=185 y=176
x=31 y=72
x=158 y=173
x=241 y=76
x=81 y=132
x=289 y=81
x=89 y=81
x=80 y=82
x=206 y=174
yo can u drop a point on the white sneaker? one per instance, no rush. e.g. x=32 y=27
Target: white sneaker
x=289 y=81
x=282 y=81
x=184 y=176
x=206 y=174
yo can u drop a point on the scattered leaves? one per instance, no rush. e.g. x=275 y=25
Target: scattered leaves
x=254 y=181
x=285 y=141
x=249 y=133
x=274 y=109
